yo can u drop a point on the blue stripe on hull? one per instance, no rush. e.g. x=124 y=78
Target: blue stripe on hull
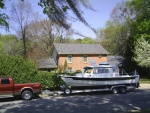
x=101 y=79
x=100 y=87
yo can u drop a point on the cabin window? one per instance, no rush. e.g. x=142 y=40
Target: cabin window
x=69 y=59
x=5 y=81
x=103 y=70
x=95 y=71
x=85 y=59
x=87 y=70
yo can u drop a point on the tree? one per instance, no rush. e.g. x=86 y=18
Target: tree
x=42 y=34
x=109 y=35
x=22 y=16
x=88 y=40
x=41 y=37
x=142 y=52
x=115 y=35
x=8 y=44
x=139 y=26
x=57 y=11
x=3 y=16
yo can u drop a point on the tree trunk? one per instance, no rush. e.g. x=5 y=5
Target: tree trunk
x=24 y=44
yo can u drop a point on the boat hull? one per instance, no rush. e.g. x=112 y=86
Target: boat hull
x=100 y=82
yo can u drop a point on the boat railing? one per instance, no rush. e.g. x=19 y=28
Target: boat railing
x=123 y=72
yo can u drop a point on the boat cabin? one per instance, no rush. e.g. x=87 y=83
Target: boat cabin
x=102 y=70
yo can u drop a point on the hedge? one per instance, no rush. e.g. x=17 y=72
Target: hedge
x=48 y=80
x=21 y=70
x=25 y=71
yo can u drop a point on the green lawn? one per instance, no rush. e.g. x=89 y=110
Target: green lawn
x=144 y=81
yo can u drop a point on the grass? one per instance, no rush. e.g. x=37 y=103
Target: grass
x=144 y=81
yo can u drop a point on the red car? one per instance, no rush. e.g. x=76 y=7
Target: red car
x=26 y=90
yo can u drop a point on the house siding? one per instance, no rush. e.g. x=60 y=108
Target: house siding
x=78 y=63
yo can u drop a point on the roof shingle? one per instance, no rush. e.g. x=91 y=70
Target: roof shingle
x=47 y=63
x=65 y=48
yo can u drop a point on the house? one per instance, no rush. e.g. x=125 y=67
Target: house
x=77 y=56
x=47 y=64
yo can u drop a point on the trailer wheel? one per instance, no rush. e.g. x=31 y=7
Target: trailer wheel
x=27 y=95
x=67 y=91
x=115 y=90
x=122 y=90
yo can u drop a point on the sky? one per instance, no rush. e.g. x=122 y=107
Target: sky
x=97 y=19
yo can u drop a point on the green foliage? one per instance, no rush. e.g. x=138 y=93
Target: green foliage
x=139 y=24
x=144 y=81
x=1 y=46
x=65 y=65
x=88 y=41
x=21 y=70
x=110 y=35
x=85 y=40
x=115 y=35
x=48 y=80
x=24 y=71
x=142 y=52
x=3 y=16
x=8 y=44
x=62 y=68
x=78 y=71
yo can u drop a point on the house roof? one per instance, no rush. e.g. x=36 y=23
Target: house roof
x=47 y=63
x=65 y=48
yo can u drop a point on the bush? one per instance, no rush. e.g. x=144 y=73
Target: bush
x=78 y=71
x=48 y=80
x=23 y=71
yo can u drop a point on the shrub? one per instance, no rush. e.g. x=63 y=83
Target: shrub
x=25 y=71
x=21 y=70
x=48 y=80
x=78 y=71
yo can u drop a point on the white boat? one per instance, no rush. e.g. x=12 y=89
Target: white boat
x=103 y=77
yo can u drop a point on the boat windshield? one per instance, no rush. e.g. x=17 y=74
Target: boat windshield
x=87 y=70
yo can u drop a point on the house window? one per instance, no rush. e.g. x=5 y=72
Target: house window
x=69 y=59
x=85 y=59
x=69 y=70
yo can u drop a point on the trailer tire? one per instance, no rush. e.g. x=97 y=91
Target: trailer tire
x=27 y=95
x=122 y=90
x=115 y=90
x=67 y=91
